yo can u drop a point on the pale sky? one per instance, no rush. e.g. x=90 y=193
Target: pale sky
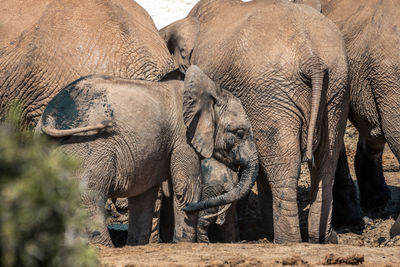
x=165 y=12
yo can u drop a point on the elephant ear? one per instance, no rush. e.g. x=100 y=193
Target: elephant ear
x=79 y=104
x=200 y=95
x=316 y=4
x=181 y=37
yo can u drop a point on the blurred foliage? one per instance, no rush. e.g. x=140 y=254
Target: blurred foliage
x=41 y=218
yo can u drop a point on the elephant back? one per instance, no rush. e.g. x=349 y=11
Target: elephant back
x=79 y=104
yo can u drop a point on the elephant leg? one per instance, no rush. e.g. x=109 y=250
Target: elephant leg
x=265 y=203
x=374 y=192
x=322 y=178
x=346 y=208
x=94 y=201
x=280 y=162
x=282 y=177
x=204 y=224
x=228 y=228
x=155 y=222
x=186 y=184
x=320 y=213
x=167 y=219
x=141 y=209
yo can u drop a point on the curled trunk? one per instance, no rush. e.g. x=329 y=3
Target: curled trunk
x=247 y=180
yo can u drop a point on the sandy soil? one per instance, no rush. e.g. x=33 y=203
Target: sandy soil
x=367 y=244
x=266 y=254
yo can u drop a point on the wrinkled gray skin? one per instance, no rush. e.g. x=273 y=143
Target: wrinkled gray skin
x=146 y=134
x=57 y=41
x=217 y=179
x=287 y=64
x=371 y=30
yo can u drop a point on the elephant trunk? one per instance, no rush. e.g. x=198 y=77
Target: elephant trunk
x=317 y=80
x=68 y=132
x=247 y=180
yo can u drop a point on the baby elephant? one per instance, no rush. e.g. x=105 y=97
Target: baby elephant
x=217 y=179
x=132 y=135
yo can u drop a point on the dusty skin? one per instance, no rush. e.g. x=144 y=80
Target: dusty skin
x=364 y=245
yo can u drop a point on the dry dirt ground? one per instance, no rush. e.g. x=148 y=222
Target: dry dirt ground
x=368 y=244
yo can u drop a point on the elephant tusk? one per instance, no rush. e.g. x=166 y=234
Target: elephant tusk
x=226 y=207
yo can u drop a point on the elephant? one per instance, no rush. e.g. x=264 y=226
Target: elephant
x=129 y=135
x=287 y=64
x=217 y=179
x=371 y=30
x=54 y=42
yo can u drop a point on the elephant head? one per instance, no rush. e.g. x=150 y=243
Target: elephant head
x=217 y=126
x=181 y=37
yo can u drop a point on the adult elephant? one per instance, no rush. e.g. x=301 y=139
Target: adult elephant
x=153 y=137
x=67 y=39
x=371 y=30
x=287 y=64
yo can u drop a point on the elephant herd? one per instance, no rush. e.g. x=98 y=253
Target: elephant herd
x=233 y=94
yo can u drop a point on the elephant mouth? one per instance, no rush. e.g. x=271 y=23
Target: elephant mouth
x=234 y=166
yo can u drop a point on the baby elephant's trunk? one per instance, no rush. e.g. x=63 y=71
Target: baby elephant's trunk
x=249 y=172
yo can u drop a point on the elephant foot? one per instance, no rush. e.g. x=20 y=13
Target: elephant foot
x=141 y=240
x=203 y=239
x=284 y=240
x=331 y=238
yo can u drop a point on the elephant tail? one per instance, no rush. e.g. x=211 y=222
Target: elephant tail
x=317 y=72
x=62 y=133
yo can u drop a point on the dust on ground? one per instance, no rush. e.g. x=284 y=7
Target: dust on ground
x=266 y=254
x=368 y=244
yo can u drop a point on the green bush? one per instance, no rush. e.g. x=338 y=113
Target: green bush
x=40 y=213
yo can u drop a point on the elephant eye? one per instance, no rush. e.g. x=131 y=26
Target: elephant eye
x=183 y=52
x=240 y=133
